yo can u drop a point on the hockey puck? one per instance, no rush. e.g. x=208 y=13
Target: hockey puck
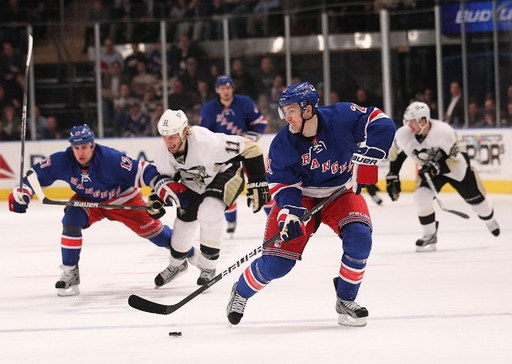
x=175 y=333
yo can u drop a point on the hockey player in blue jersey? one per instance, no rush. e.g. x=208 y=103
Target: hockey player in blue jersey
x=100 y=174
x=232 y=115
x=321 y=150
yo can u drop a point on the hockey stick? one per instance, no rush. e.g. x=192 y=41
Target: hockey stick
x=436 y=196
x=143 y=304
x=34 y=183
x=24 y=109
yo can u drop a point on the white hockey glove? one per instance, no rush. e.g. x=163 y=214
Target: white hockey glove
x=20 y=198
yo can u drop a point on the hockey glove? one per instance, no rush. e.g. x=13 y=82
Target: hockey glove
x=431 y=168
x=393 y=186
x=156 y=206
x=257 y=194
x=365 y=167
x=19 y=199
x=171 y=192
x=290 y=225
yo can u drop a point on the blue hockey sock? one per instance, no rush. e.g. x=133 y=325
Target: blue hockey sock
x=261 y=272
x=164 y=238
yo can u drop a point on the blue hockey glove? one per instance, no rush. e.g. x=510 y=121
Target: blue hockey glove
x=432 y=168
x=171 y=192
x=20 y=198
x=290 y=225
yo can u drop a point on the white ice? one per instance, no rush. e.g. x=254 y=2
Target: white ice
x=449 y=306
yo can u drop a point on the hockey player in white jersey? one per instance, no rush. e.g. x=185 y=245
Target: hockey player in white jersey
x=433 y=145
x=210 y=166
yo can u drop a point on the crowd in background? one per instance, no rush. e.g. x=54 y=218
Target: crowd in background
x=132 y=86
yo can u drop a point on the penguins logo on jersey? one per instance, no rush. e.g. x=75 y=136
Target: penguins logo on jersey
x=424 y=155
x=195 y=174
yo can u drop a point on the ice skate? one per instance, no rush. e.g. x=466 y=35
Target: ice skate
x=236 y=307
x=493 y=226
x=205 y=276
x=170 y=273
x=350 y=313
x=427 y=242
x=231 y=228
x=69 y=280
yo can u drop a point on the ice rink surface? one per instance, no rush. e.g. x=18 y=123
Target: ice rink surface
x=449 y=306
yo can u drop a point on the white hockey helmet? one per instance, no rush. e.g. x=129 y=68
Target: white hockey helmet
x=417 y=111
x=172 y=122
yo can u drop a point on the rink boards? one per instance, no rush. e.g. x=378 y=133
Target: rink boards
x=489 y=150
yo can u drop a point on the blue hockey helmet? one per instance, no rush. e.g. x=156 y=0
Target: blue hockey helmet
x=224 y=80
x=81 y=134
x=302 y=93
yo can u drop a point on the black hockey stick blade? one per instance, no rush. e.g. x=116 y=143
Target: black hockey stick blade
x=145 y=305
x=148 y=306
x=458 y=213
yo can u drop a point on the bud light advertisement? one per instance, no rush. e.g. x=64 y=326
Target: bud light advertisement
x=477 y=16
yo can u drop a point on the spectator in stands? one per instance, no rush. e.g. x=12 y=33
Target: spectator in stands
x=278 y=86
x=265 y=76
x=455 y=111
x=489 y=120
x=136 y=123
x=142 y=81
x=428 y=98
x=41 y=122
x=475 y=116
x=52 y=129
x=506 y=121
x=204 y=91
x=13 y=11
x=258 y=23
x=244 y=83
x=129 y=12
x=335 y=98
x=274 y=123
x=155 y=61
x=240 y=13
x=190 y=77
x=489 y=104
x=5 y=99
x=180 y=98
x=363 y=98
x=10 y=124
x=109 y=55
x=149 y=102
x=98 y=13
x=213 y=24
x=121 y=103
x=131 y=62
x=11 y=64
x=179 y=54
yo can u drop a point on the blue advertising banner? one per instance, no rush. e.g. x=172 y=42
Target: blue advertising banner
x=477 y=16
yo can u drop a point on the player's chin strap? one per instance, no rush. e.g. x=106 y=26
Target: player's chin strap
x=304 y=122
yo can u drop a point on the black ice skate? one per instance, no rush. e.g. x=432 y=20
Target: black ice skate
x=205 y=276
x=236 y=307
x=170 y=273
x=493 y=227
x=69 y=280
x=350 y=313
x=427 y=242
